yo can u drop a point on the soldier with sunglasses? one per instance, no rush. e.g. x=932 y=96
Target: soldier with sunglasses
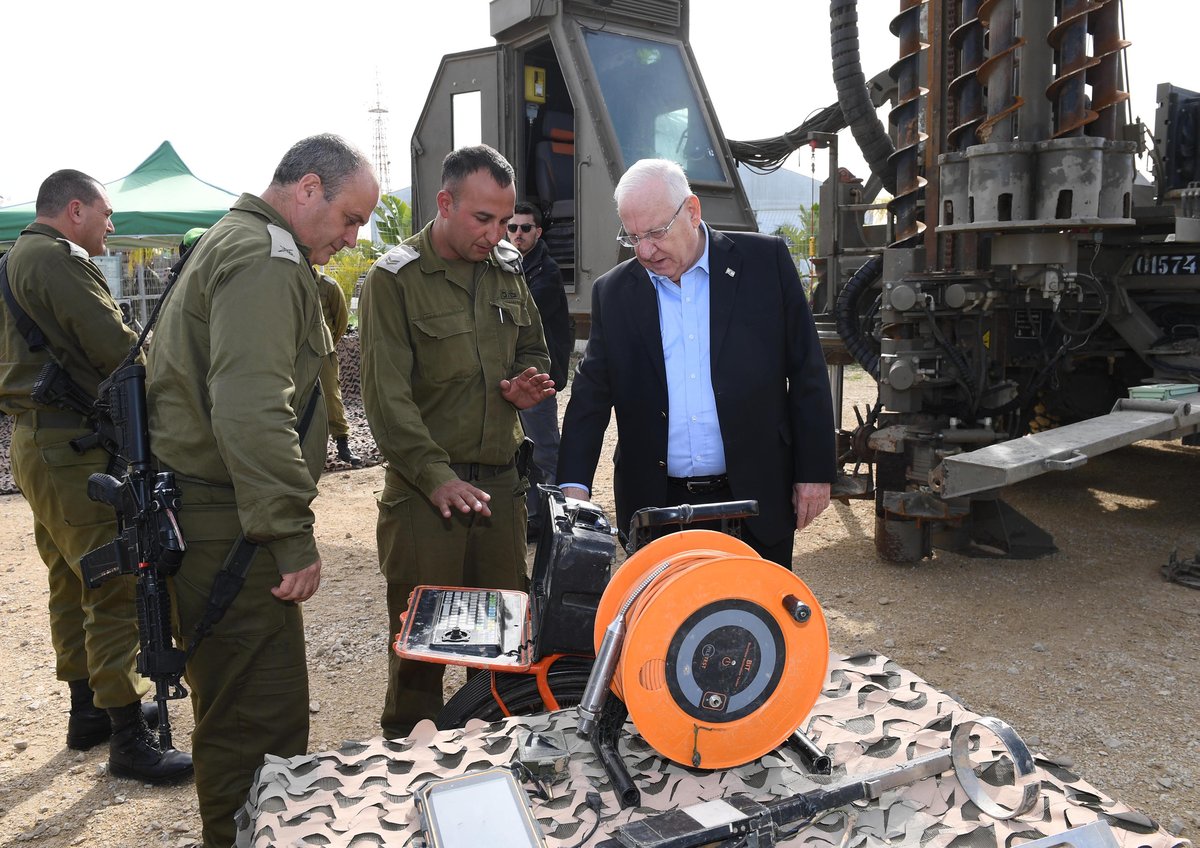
x=546 y=285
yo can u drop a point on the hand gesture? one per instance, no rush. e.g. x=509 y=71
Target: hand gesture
x=527 y=389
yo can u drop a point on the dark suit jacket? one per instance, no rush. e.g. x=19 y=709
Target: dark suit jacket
x=545 y=282
x=768 y=375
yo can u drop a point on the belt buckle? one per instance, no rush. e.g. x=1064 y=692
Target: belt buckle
x=696 y=487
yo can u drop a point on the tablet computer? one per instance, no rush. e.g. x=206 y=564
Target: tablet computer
x=487 y=807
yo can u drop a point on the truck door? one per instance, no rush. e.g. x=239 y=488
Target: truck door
x=463 y=108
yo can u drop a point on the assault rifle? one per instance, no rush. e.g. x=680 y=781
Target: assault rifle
x=55 y=387
x=149 y=542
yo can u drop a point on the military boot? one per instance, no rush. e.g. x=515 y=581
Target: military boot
x=343 y=452
x=88 y=725
x=134 y=753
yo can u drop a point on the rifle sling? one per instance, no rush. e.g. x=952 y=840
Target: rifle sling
x=26 y=326
x=232 y=576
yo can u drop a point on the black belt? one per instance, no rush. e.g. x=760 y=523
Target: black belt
x=701 y=485
x=479 y=470
x=52 y=418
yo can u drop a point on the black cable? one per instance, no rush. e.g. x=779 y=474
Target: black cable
x=954 y=355
x=522 y=773
x=1027 y=396
x=848 y=322
x=854 y=100
x=516 y=652
x=1101 y=316
x=595 y=805
x=765 y=155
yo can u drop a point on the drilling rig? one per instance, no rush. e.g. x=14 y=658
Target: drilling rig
x=1026 y=304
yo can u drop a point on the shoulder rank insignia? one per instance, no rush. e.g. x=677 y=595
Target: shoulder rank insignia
x=397 y=258
x=282 y=244
x=507 y=256
x=75 y=249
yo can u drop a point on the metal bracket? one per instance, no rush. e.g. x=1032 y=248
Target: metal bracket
x=1073 y=460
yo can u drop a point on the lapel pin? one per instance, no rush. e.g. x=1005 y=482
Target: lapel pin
x=731 y=272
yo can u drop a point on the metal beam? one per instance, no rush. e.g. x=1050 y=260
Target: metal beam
x=1064 y=448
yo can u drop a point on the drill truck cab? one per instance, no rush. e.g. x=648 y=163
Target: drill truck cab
x=573 y=93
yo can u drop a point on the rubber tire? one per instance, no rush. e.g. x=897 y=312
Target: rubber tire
x=568 y=678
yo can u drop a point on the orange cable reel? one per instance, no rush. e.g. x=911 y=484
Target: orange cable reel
x=724 y=653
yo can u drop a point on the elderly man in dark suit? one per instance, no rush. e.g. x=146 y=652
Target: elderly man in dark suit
x=704 y=345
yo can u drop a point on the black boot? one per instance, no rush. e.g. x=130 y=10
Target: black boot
x=343 y=452
x=133 y=752
x=88 y=725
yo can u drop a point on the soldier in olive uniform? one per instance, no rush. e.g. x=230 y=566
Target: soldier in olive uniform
x=452 y=348
x=232 y=376
x=94 y=631
x=337 y=318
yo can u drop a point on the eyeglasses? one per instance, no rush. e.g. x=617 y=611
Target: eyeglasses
x=512 y=228
x=657 y=234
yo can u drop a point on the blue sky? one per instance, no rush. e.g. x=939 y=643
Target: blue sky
x=232 y=85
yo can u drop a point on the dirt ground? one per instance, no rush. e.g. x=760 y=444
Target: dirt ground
x=1089 y=653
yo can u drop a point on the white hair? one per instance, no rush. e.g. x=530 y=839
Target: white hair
x=647 y=172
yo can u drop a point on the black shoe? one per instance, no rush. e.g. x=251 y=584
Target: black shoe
x=343 y=452
x=133 y=752
x=88 y=725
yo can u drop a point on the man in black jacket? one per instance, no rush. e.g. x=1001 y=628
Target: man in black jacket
x=546 y=285
x=704 y=345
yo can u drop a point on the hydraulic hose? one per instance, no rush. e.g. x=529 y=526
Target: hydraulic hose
x=851 y=83
x=846 y=315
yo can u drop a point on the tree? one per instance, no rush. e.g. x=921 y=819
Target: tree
x=349 y=266
x=395 y=220
x=802 y=242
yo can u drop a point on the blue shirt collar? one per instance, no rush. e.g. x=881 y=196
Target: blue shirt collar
x=701 y=263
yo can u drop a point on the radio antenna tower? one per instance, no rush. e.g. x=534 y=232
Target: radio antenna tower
x=381 y=150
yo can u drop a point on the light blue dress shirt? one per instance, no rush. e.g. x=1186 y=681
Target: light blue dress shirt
x=694 y=446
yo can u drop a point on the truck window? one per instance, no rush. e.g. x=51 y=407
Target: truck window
x=467 y=125
x=654 y=108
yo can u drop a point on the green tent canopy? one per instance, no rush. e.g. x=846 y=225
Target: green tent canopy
x=154 y=206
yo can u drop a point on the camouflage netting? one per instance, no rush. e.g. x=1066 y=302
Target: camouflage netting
x=871 y=715
x=361 y=442
x=7 y=486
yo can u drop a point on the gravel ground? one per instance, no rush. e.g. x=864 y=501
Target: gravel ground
x=1089 y=653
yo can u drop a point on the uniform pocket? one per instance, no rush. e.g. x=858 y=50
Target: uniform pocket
x=319 y=338
x=68 y=472
x=513 y=316
x=446 y=346
x=308 y=370
x=396 y=539
x=514 y=312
